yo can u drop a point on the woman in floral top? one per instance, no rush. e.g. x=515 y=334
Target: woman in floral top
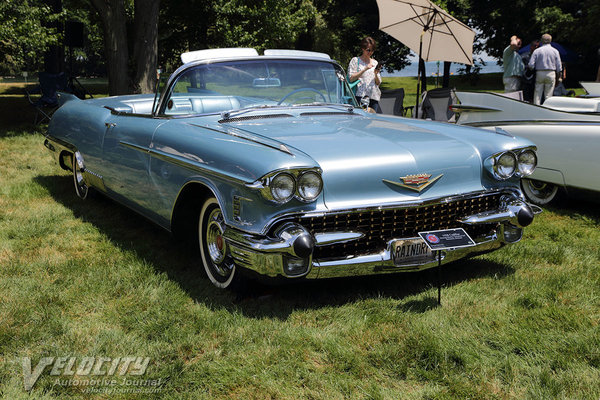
x=367 y=70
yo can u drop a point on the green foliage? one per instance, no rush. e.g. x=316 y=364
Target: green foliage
x=25 y=33
x=570 y=22
x=262 y=24
x=231 y=23
x=358 y=19
x=88 y=60
x=334 y=27
x=331 y=26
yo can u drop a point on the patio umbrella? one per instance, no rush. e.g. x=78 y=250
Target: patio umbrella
x=427 y=30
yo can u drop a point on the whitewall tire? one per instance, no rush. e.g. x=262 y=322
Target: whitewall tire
x=218 y=264
x=537 y=192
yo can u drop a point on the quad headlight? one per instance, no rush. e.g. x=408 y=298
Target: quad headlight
x=527 y=161
x=518 y=162
x=309 y=185
x=505 y=165
x=281 y=186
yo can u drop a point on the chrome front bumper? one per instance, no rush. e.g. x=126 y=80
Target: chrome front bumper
x=290 y=254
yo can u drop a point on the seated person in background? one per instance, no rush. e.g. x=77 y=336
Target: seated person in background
x=560 y=89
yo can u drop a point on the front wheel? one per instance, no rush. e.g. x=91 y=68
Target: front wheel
x=218 y=264
x=540 y=193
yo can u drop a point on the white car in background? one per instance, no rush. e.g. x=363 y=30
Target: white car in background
x=592 y=88
x=565 y=130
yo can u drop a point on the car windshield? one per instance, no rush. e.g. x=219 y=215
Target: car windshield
x=237 y=85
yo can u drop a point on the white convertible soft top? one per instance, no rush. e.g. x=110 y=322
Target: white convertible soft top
x=209 y=54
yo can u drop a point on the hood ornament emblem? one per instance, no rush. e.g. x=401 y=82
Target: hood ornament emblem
x=416 y=182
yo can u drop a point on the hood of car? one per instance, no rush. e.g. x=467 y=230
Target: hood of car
x=377 y=160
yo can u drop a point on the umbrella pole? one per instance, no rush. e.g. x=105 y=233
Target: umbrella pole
x=416 y=114
x=418 y=87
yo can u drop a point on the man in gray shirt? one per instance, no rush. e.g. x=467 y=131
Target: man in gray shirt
x=546 y=61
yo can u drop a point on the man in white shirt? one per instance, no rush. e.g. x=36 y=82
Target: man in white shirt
x=546 y=61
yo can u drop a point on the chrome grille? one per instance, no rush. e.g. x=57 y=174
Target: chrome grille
x=380 y=226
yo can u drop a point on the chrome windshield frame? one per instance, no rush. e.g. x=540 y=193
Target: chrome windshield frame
x=173 y=79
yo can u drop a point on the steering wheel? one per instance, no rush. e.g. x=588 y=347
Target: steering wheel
x=302 y=90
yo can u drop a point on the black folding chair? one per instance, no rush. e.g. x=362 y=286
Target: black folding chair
x=436 y=104
x=47 y=104
x=392 y=102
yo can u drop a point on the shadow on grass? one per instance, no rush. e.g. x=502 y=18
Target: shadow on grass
x=180 y=262
x=22 y=128
x=580 y=204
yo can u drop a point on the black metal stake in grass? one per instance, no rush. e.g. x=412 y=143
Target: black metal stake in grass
x=445 y=239
x=439 y=277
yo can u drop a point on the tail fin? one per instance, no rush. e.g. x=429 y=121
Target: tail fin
x=64 y=97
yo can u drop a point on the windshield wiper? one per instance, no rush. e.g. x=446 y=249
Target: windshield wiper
x=345 y=107
x=239 y=111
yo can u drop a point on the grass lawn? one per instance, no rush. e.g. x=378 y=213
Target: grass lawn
x=92 y=279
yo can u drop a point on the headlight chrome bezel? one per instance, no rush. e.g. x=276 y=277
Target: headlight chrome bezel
x=300 y=189
x=519 y=170
x=265 y=184
x=520 y=163
x=291 y=183
x=505 y=165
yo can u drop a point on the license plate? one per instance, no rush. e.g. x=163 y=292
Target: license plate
x=411 y=252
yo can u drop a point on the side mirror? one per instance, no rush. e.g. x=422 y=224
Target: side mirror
x=364 y=102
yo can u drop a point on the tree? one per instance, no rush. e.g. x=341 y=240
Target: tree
x=25 y=35
x=115 y=17
x=260 y=24
x=570 y=22
x=334 y=27
x=347 y=23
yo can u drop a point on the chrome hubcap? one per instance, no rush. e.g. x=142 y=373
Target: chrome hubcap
x=79 y=177
x=541 y=189
x=216 y=245
x=78 y=168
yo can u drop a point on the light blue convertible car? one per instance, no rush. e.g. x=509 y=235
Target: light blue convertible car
x=268 y=163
